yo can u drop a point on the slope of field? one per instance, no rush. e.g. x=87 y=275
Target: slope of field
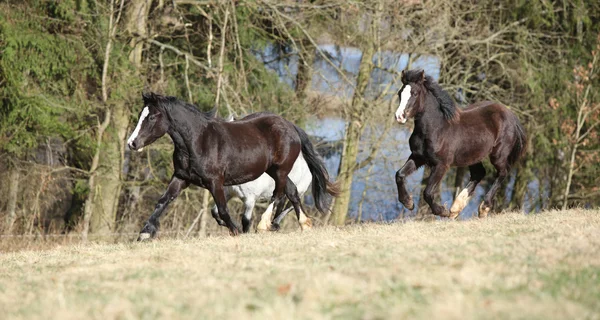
x=509 y=266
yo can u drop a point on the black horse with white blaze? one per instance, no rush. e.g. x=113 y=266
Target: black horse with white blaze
x=445 y=136
x=212 y=153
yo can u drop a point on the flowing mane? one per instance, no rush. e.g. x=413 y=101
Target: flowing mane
x=447 y=106
x=169 y=102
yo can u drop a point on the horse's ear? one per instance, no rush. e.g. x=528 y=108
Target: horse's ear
x=422 y=75
x=403 y=77
x=148 y=97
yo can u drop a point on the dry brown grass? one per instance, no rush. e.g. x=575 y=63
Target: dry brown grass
x=508 y=266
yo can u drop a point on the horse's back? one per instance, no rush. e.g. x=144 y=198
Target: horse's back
x=486 y=125
x=485 y=104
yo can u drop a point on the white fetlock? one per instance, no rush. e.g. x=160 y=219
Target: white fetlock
x=306 y=225
x=144 y=236
x=263 y=226
x=265 y=219
x=484 y=210
x=459 y=204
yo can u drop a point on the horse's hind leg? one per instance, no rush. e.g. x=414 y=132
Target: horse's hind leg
x=247 y=216
x=411 y=165
x=280 y=177
x=214 y=212
x=477 y=174
x=278 y=216
x=500 y=163
x=216 y=189
x=292 y=194
x=277 y=220
x=265 y=219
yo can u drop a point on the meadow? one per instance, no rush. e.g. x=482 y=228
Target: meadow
x=509 y=266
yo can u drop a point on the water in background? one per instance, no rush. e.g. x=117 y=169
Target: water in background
x=374 y=192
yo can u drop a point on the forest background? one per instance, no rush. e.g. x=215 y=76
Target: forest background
x=72 y=73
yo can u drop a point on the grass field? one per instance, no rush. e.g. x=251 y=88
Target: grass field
x=543 y=266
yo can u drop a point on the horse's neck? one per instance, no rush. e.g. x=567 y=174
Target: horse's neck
x=185 y=125
x=431 y=120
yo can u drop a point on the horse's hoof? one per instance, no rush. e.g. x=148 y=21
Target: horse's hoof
x=446 y=213
x=148 y=232
x=143 y=237
x=275 y=227
x=453 y=215
x=234 y=232
x=408 y=204
x=306 y=225
x=263 y=227
x=484 y=210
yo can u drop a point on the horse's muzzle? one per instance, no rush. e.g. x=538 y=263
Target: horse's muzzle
x=401 y=119
x=133 y=146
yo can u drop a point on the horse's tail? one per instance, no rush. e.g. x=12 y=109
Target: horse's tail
x=322 y=189
x=520 y=146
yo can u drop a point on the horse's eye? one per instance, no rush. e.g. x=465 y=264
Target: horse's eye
x=152 y=117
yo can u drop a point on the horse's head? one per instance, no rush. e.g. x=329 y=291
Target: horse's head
x=409 y=94
x=152 y=123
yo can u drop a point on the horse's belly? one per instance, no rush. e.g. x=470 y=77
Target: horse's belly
x=469 y=154
x=259 y=188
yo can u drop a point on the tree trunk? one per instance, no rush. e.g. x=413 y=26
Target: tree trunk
x=13 y=193
x=346 y=172
x=89 y=202
x=205 y=212
x=305 y=68
x=135 y=21
x=354 y=128
x=108 y=179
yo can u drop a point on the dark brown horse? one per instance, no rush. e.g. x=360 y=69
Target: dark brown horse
x=212 y=153
x=445 y=137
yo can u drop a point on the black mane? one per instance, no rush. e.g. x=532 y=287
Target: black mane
x=447 y=106
x=170 y=101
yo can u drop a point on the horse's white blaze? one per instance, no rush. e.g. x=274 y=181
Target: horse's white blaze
x=135 y=133
x=460 y=203
x=404 y=96
x=265 y=220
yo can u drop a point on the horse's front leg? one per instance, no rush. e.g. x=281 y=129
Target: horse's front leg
x=173 y=190
x=437 y=173
x=411 y=165
x=216 y=189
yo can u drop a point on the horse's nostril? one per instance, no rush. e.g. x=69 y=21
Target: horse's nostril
x=132 y=145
